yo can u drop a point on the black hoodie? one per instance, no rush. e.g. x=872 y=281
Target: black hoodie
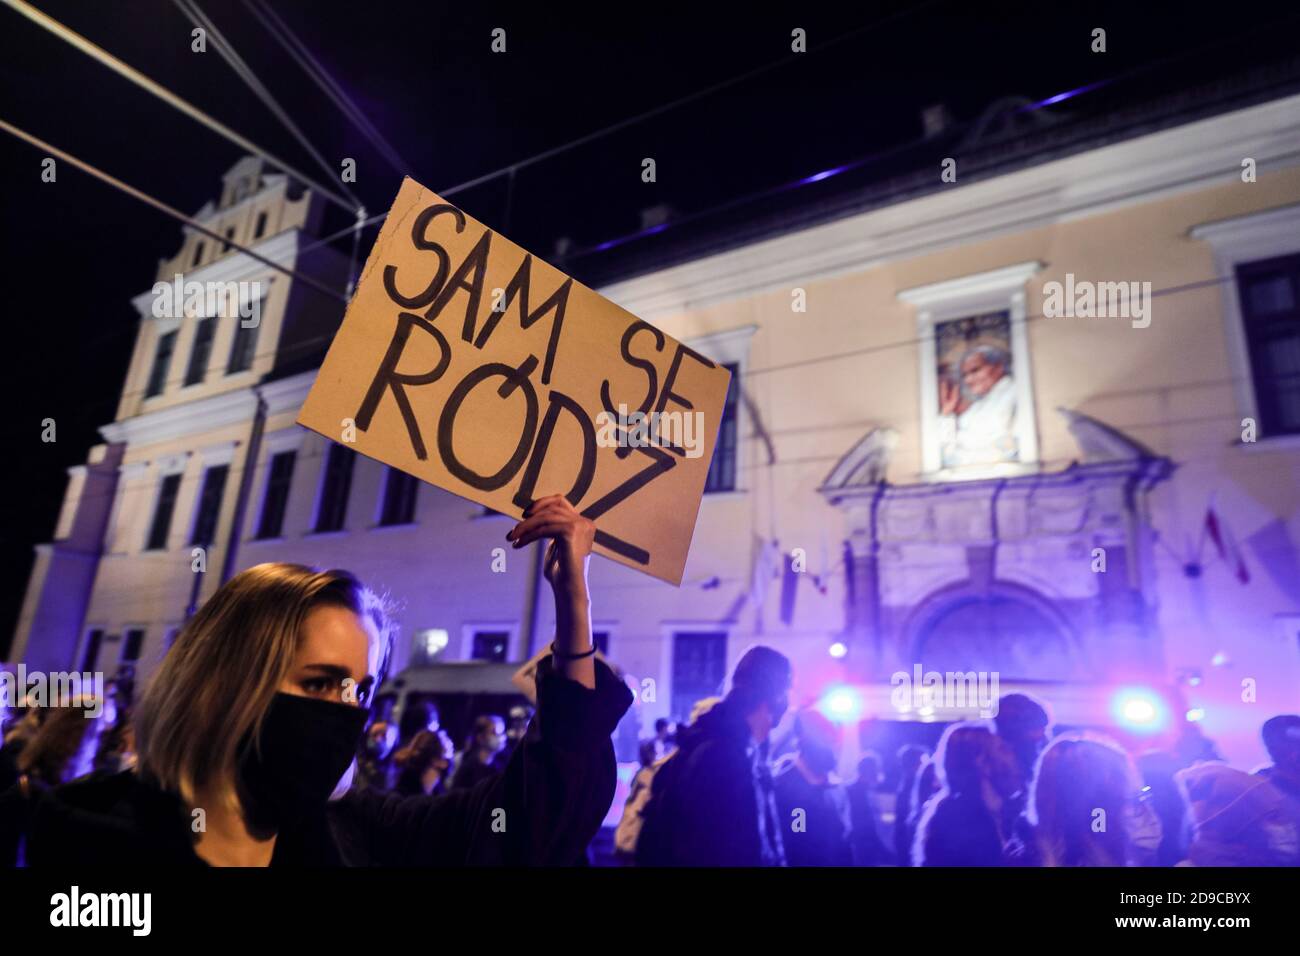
x=543 y=810
x=704 y=803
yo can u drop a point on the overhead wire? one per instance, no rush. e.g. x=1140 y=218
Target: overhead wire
x=226 y=50
x=282 y=34
x=123 y=69
x=162 y=206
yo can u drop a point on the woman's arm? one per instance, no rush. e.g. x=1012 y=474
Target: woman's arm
x=560 y=780
x=566 y=569
x=543 y=810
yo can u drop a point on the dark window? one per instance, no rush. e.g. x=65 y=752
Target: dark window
x=162 y=513
x=699 y=669
x=202 y=351
x=244 y=346
x=261 y=225
x=399 y=498
x=131 y=646
x=198 y=254
x=214 y=484
x=162 y=360
x=722 y=470
x=490 y=646
x=333 y=510
x=230 y=234
x=277 y=495
x=90 y=657
x=1270 y=308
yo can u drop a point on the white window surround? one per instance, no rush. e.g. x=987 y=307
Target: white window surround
x=467 y=632
x=222 y=453
x=172 y=464
x=1250 y=238
x=992 y=291
x=667 y=631
x=282 y=440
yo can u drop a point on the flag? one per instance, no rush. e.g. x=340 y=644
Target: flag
x=1226 y=545
x=767 y=560
x=789 y=589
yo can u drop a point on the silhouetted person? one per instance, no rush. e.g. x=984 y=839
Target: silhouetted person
x=1239 y=819
x=868 y=848
x=374 y=764
x=1168 y=798
x=62 y=749
x=911 y=758
x=964 y=824
x=1022 y=721
x=660 y=745
x=423 y=763
x=924 y=790
x=813 y=804
x=712 y=803
x=418 y=715
x=478 y=762
x=1282 y=741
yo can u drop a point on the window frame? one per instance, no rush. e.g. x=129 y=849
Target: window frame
x=1240 y=240
x=259 y=532
x=471 y=628
x=334 y=449
x=205 y=334
x=998 y=290
x=163 y=480
x=161 y=367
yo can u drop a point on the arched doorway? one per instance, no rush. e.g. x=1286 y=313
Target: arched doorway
x=997 y=632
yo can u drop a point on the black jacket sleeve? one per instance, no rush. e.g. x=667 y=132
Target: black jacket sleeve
x=543 y=810
x=720 y=823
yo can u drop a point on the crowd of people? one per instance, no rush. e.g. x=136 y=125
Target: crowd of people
x=256 y=744
x=1002 y=792
x=245 y=742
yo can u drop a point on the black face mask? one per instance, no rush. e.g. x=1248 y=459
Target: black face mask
x=306 y=745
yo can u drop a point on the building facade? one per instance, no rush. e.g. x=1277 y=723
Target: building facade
x=1045 y=424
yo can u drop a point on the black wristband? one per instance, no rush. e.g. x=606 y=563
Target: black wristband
x=572 y=657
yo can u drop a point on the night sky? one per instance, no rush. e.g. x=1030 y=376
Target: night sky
x=76 y=251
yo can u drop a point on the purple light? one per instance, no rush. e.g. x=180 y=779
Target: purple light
x=818 y=177
x=1139 y=709
x=1061 y=97
x=841 y=704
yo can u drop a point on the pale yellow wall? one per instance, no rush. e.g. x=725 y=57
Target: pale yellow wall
x=1167 y=386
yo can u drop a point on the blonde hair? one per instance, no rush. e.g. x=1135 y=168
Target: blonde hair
x=216 y=683
x=1079 y=774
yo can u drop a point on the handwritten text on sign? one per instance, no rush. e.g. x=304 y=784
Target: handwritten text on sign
x=466 y=362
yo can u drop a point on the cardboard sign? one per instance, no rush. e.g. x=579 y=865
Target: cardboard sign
x=467 y=362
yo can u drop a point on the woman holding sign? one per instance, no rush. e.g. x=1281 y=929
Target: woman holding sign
x=248 y=731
